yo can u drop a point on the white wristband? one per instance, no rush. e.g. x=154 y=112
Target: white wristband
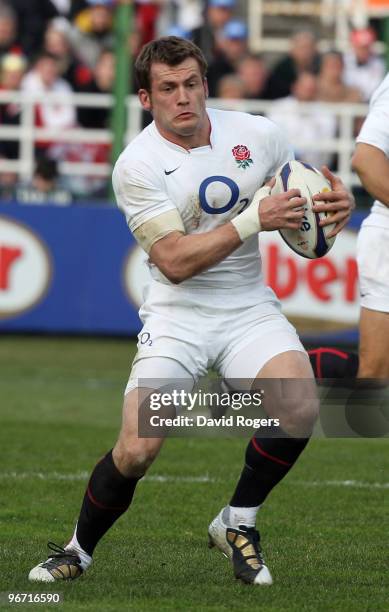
x=247 y=223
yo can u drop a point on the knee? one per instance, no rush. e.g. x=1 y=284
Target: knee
x=134 y=456
x=298 y=417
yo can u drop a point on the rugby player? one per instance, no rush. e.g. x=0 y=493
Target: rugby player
x=371 y=162
x=191 y=186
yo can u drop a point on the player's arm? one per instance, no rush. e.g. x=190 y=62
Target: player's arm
x=180 y=256
x=372 y=166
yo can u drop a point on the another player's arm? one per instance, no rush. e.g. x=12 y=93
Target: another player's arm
x=339 y=202
x=372 y=166
x=180 y=256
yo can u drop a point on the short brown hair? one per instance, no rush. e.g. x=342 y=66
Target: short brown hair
x=170 y=50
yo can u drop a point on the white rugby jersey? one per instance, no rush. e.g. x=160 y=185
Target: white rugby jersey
x=375 y=131
x=208 y=185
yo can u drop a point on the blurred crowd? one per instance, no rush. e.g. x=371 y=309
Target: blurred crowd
x=67 y=46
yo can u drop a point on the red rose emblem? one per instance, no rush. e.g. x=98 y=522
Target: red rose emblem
x=241 y=152
x=242 y=156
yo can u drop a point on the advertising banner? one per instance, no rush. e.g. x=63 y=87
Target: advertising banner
x=78 y=270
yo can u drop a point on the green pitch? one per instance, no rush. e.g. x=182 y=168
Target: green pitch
x=325 y=529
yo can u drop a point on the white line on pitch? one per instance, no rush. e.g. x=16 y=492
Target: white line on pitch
x=82 y=476
x=344 y=483
x=160 y=478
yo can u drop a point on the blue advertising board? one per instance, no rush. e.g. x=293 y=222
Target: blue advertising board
x=83 y=288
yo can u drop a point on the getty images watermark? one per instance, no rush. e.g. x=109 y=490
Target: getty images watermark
x=215 y=408
x=181 y=409
x=203 y=399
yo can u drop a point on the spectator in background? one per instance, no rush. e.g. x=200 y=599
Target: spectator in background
x=69 y=8
x=76 y=7
x=331 y=85
x=231 y=87
x=364 y=69
x=177 y=30
x=147 y=13
x=56 y=42
x=216 y=15
x=303 y=57
x=89 y=118
x=102 y=82
x=92 y=31
x=8 y=183
x=12 y=69
x=188 y=14
x=32 y=17
x=232 y=46
x=44 y=187
x=254 y=74
x=45 y=77
x=8 y=31
x=305 y=126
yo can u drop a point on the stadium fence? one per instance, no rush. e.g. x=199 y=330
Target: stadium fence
x=28 y=134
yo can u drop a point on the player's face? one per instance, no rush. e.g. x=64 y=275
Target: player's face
x=177 y=102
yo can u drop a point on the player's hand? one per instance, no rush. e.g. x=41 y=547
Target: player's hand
x=282 y=211
x=339 y=203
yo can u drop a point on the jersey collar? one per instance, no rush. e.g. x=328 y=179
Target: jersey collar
x=154 y=131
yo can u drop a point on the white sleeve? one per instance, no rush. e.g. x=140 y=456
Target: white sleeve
x=140 y=197
x=375 y=130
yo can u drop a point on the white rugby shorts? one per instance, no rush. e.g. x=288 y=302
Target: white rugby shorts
x=373 y=263
x=235 y=331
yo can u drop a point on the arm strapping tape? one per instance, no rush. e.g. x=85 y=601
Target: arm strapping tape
x=150 y=231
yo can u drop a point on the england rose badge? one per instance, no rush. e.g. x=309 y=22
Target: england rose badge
x=242 y=156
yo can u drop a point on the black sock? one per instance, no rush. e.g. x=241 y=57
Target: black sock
x=328 y=362
x=107 y=497
x=268 y=460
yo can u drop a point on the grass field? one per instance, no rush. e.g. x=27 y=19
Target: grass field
x=325 y=528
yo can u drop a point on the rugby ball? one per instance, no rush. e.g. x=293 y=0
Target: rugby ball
x=310 y=240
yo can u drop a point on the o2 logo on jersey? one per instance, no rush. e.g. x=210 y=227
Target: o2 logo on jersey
x=206 y=205
x=145 y=338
